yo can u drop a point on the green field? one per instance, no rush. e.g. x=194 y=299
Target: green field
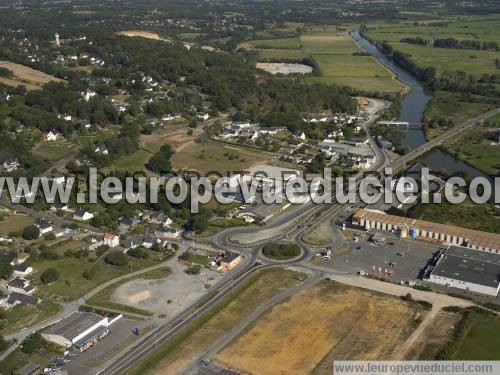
x=334 y=54
x=494 y=120
x=478 y=150
x=22 y=316
x=471 y=61
x=453 y=107
x=130 y=163
x=71 y=283
x=285 y=54
x=53 y=151
x=14 y=223
x=216 y=156
x=481 y=342
x=284 y=43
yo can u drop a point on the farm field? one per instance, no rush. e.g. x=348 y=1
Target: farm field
x=197 y=338
x=471 y=61
x=334 y=54
x=293 y=338
x=23 y=75
x=284 y=43
x=216 y=156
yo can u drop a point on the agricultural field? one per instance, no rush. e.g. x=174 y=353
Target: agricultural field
x=285 y=43
x=216 y=156
x=334 y=53
x=476 y=62
x=174 y=356
x=22 y=75
x=292 y=338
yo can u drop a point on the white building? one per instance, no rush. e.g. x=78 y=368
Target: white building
x=82 y=215
x=80 y=330
x=469 y=270
x=112 y=240
x=53 y=135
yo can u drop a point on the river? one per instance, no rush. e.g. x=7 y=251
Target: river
x=413 y=108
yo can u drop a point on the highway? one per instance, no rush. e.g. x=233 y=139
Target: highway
x=292 y=224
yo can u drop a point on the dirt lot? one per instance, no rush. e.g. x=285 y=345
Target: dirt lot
x=32 y=79
x=258 y=289
x=142 y=34
x=174 y=134
x=320 y=235
x=167 y=295
x=327 y=322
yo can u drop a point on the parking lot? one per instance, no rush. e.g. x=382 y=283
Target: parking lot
x=403 y=258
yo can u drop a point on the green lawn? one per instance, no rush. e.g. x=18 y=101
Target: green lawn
x=14 y=223
x=494 y=120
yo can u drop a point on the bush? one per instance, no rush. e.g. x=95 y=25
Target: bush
x=116 y=258
x=49 y=275
x=90 y=273
x=138 y=253
x=3 y=344
x=34 y=343
x=5 y=270
x=195 y=269
x=281 y=251
x=50 y=236
x=31 y=233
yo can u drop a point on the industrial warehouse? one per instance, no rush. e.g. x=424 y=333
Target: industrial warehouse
x=80 y=330
x=466 y=269
x=426 y=230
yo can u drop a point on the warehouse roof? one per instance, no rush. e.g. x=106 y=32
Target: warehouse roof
x=465 y=265
x=475 y=237
x=74 y=325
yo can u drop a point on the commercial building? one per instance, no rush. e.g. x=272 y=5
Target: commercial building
x=469 y=270
x=229 y=261
x=80 y=330
x=426 y=230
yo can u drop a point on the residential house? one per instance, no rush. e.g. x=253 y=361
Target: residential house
x=82 y=215
x=53 y=135
x=111 y=240
x=43 y=225
x=22 y=270
x=16 y=298
x=10 y=164
x=165 y=231
x=20 y=285
x=59 y=207
x=101 y=149
x=228 y=261
x=160 y=218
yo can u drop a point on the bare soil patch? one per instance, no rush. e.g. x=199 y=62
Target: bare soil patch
x=142 y=34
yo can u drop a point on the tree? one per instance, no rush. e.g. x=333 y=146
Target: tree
x=5 y=270
x=160 y=162
x=138 y=253
x=116 y=258
x=34 y=343
x=49 y=275
x=31 y=232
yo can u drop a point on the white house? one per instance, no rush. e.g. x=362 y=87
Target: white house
x=203 y=116
x=22 y=270
x=101 y=149
x=81 y=215
x=10 y=164
x=112 y=240
x=53 y=135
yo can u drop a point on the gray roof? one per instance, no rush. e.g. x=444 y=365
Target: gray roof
x=74 y=324
x=28 y=369
x=23 y=298
x=472 y=266
x=229 y=257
